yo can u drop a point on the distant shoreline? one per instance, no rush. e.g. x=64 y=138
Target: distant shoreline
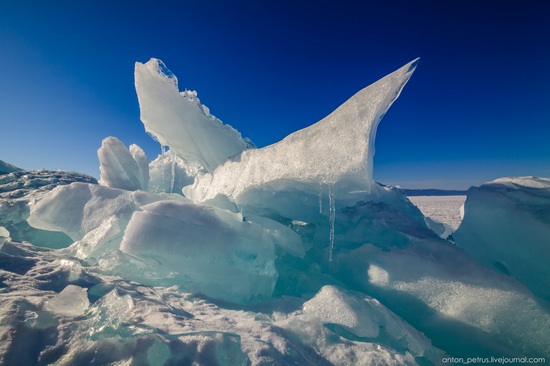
x=434 y=192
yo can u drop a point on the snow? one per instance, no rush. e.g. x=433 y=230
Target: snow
x=441 y=209
x=289 y=254
x=361 y=315
x=356 y=317
x=522 y=182
x=129 y=322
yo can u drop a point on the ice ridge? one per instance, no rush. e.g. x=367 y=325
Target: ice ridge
x=340 y=147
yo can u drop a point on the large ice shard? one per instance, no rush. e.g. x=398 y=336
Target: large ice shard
x=338 y=148
x=506 y=226
x=180 y=121
x=80 y=208
x=119 y=167
x=202 y=249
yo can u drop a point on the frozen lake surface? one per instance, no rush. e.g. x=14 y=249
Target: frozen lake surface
x=445 y=209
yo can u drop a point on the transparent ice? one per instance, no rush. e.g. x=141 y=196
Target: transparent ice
x=72 y=301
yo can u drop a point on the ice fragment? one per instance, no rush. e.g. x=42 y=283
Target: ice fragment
x=72 y=301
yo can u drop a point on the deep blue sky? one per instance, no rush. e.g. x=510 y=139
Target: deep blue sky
x=477 y=107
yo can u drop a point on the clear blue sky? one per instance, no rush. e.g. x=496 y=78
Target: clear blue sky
x=477 y=107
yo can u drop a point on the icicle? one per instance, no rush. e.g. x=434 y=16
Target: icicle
x=320 y=198
x=173 y=174
x=332 y=218
x=163 y=155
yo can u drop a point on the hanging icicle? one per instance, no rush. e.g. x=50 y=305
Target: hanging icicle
x=321 y=198
x=163 y=155
x=332 y=219
x=173 y=173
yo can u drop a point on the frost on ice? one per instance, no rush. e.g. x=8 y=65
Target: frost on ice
x=288 y=254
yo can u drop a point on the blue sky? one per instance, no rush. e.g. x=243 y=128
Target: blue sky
x=477 y=107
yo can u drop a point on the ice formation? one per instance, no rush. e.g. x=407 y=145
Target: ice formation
x=180 y=121
x=169 y=173
x=128 y=322
x=440 y=228
x=207 y=249
x=4 y=234
x=143 y=165
x=337 y=149
x=18 y=189
x=288 y=254
x=6 y=168
x=79 y=208
x=72 y=301
x=506 y=226
x=356 y=317
x=120 y=168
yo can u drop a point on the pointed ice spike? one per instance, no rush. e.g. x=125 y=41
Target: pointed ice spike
x=339 y=147
x=180 y=121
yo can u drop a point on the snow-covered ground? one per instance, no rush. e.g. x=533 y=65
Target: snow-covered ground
x=445 y=209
